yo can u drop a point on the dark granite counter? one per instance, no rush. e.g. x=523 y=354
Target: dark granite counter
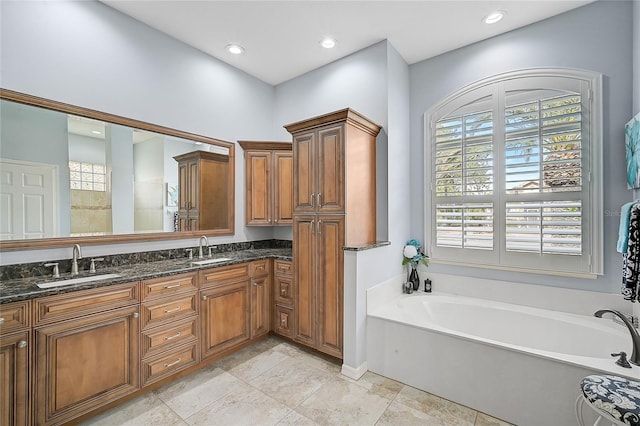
x=14 y=290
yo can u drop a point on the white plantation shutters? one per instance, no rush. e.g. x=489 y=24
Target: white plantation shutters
x=510 y=171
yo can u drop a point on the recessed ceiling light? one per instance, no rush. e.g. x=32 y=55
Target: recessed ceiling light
x=328 y=43
x=235 y=49
x=494 y=17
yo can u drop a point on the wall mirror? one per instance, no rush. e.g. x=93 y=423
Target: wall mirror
x=73 y=175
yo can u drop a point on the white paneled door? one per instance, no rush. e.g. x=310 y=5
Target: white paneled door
x=27 y=200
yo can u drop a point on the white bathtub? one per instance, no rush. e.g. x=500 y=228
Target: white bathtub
x=518 y=363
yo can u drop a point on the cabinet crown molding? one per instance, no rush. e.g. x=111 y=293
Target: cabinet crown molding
x=349 y=115
x=266 y=145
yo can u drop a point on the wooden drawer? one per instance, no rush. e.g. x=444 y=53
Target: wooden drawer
x=283 y=321
x=166 y=286
x=169 y=362
x=15 y=317
x=173 y=334
x=283 y=291
x=84 y=302
x=284 y=267
x=158 y=312
x=223 y=275
x=260 y=267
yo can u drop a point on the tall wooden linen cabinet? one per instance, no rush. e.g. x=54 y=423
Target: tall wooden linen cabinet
x=334 y=205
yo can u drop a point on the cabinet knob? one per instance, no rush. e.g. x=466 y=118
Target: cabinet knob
x=136 y=315
x=22 y=344
x=204 y=297
x=283 y=292
x=1 y=320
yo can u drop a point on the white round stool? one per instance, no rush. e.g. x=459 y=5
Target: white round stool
x=615 y=399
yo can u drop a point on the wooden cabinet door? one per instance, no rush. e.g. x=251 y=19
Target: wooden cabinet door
x=304 y=258
x=14 y=384
x=330 y=237
x=258 y=184
x=84 y=363
x=331 y=184
x=260 y=306
x=304 y=155
x=225 y=317
x=283 y=188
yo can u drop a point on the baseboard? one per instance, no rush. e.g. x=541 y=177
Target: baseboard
x=354 y=373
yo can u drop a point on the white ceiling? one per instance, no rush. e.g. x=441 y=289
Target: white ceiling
x=282 y=38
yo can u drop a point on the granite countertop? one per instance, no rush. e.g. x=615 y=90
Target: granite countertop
x=26 y=288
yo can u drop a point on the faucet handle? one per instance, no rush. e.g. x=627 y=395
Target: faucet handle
x=189 y=253
x=622 y=362
x=56 y=270
x=92 y=267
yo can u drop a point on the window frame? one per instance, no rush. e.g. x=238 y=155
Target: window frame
x=590 y=262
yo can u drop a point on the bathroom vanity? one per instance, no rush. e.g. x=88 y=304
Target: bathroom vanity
x=71 y=351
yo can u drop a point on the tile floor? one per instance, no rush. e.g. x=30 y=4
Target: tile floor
x=274 y=382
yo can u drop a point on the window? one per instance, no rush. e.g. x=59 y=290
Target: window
x=87 y=176
x=514 y=173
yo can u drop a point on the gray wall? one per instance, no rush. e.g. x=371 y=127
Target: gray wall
x=85 y=53
x=636 y=57
x=594 y=37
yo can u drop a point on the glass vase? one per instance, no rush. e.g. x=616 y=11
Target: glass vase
x=413 y=278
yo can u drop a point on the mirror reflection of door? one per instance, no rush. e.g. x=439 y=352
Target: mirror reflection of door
x=27 y=200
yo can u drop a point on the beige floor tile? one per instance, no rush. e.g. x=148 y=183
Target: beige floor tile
x=486 y=420
x=146 y=410
x=245 y=354
x=195 y=391
x=292 y=381
x=296 y=419
x=258 y=364
x=341 y=402
x=450 y=412
x=315 y=360
x=400 y=415
x=379 y=385
x=243 y=406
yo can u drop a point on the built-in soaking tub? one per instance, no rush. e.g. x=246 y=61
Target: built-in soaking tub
x=518 y=363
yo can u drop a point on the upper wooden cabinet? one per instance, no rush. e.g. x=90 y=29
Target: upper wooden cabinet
x=203 y=182
x=335 y=170
x=269 y=182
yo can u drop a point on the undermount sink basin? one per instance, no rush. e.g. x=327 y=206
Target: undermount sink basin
x=210 y=261
x=78 y=280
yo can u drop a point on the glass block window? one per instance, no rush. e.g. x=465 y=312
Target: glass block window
x=87 y=176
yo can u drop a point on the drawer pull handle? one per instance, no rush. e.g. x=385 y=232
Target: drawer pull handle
x=178 y=334
x=173 y=286
x=1 y=320
x=176 y=309
x=22 y=344
x=177 y=361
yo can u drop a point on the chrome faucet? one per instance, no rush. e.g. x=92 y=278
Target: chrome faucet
x=201 y=249
x=635 y=355
x=75 y=255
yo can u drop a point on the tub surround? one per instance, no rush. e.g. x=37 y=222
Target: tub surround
x=19 y=282
x=518 y=381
